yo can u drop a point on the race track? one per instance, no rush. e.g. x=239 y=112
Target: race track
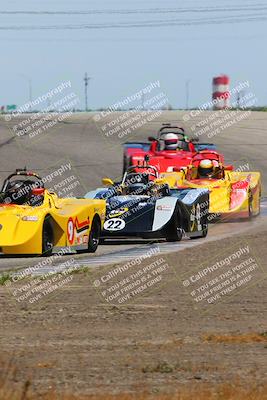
x=80 y=142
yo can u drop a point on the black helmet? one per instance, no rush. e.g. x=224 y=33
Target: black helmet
x=137 y=189
x=17 y=193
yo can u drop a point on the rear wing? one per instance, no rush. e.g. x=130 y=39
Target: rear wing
x=205 y=146
x=145 y=146
x=168 y=128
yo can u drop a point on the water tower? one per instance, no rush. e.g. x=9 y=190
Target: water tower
x=220 y=92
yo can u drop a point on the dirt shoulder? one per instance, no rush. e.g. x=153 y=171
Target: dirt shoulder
x=90 y=336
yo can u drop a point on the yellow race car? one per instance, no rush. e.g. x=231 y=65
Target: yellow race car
x=233 y=194
x=36 y=221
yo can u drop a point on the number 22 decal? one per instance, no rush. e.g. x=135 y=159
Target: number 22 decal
x=114 y=224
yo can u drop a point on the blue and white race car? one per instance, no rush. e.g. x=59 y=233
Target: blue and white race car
x=142 y=205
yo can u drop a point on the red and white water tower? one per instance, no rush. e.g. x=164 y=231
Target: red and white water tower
x=221 y=92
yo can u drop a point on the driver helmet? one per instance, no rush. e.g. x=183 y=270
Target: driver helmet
x=171 y=141
x=205 y=168
x=136 y=189
x=17 y=193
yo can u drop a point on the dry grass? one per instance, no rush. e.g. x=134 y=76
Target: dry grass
x=12 y=389
x=9 y=391
x=222 y=392
x=235 y=391
x=238 y=339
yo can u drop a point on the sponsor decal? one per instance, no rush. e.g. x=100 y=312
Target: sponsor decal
x=192 y=216
x=79 y=240
x=195 y=218
x=76 y=229
x=31 y=218
x=118 y=212
x=164 y=208
x=85 y=239
x=142 y=204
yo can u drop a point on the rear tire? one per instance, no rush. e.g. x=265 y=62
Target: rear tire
x=250 y=204
x=94 y=236
x=201 y=221
x=205 y=230
x=175 y=236
x=203 y=233
x=259 y=204
x=47 y=239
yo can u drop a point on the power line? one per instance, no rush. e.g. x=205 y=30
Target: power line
x=205 y=9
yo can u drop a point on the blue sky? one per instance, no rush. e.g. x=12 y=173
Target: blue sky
x=123 y=60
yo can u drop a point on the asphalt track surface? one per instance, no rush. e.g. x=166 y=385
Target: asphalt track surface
x=80 y=140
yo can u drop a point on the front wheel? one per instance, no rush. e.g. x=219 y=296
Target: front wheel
x=94 y=236
x=174 y=233
x=47 y=239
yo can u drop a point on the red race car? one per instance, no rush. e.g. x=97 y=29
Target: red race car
x=171 y=148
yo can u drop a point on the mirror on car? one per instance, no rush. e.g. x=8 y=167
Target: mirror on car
x=151 y=139
x=179 y=169
x=160 y=181
x=107 y=182
x=38 y=191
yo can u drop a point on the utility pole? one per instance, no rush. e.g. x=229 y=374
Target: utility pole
x=30 y=92
x=187 y=94
x=30 y=88
x=86 y=81
x=143 y=101
x=240 y=96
